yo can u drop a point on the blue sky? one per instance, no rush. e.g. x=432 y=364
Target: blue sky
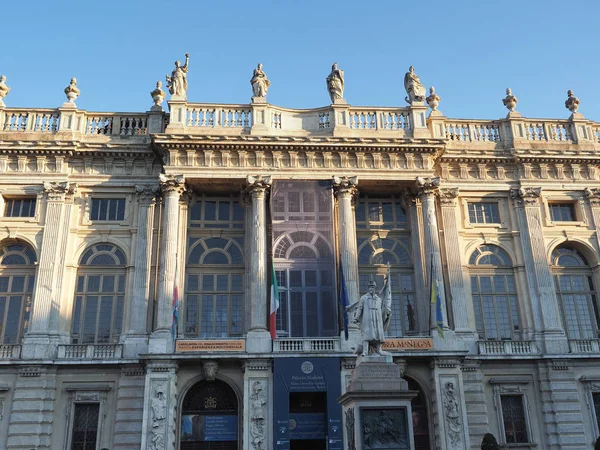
x=471 y=51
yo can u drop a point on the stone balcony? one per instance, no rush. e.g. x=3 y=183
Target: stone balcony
x=90 y=351
x=306 y=345
x=584 y=346
x=507 y=348
x=10 y=351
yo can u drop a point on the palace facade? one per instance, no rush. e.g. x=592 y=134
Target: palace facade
x=107 y=217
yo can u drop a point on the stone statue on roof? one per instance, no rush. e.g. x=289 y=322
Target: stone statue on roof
x=260 y=83
x=4 y=89
x=335 y=83
x=413 y=86
x=177 y=82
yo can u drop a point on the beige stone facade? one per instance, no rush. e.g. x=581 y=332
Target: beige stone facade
x=104 y=214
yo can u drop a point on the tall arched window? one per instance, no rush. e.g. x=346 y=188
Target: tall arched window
x=215 y=288
x=494 y=293
x=576 y=294
x=17 y=276
x=99 y=295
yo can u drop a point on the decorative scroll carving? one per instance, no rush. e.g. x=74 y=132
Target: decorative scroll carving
x=159 y=417
x=58 y=190
x=452 y=414
x=426 y=185
x=172 y=184
x=258 y=401
x=345 y=186
x=527 y=196
x=350 y=429
x=210 y=370
x=448 y=196
x=593 y=196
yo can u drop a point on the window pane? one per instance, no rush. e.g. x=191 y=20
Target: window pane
x=513 y=416
x=89 y=320
x=85 y=426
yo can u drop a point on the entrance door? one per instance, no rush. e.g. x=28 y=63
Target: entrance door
x=209 y=417
x=308 y=420
x=420 y=416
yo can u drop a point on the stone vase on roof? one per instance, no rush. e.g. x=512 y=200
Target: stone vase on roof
x=4 y=89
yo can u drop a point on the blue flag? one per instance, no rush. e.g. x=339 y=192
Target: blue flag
x=344 y=302
x=436 y=302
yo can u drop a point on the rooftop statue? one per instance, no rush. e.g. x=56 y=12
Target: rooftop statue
x=177 y=82
x=510 y=101
x=373 y=314
x=158 y=95
x=413 y=86
x=335 y=83
x=572 y=102
x=433 y=100
x=4 y=89
x=260 y=83
x=72 y=91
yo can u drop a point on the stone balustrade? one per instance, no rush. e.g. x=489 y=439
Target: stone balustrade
x=584 y=346
x=304 y=345
x=90 y=351
x=507 y=348
x=10 y=351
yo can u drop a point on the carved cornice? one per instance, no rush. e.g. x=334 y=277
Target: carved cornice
x=258 y=185
x=526 y=196
x=345 y=186
x=593 y=196
x=425 y=186
x=448 y=196
x=59 y=190
x=172 y=184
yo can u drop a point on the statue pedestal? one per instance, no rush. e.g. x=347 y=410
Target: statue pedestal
x=377 y=409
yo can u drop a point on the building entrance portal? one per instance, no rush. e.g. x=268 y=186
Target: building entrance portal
x=209 y=417
x=420 y=417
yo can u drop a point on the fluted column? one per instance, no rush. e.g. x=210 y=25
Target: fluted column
x=138 y=307
x=593 y=197
x=258 y=337
x=426 y=189
x=45 y=316
x=172 y=187
x=462 y=303
x=547 y=325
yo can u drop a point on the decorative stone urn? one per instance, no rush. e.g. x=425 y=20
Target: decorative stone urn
x=72 y=91
x=4 y=89
x=433 y=100
x=572 y=102
x=158 y=95
x=510 y=101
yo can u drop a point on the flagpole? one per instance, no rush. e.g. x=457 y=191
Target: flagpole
x=430 y=291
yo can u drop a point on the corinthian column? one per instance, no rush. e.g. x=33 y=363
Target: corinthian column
x=546 y=319
x=462 y=304
x=172 y=187
x=138 y=307
x=258 y=339
x=42 y=337
x=426 y=189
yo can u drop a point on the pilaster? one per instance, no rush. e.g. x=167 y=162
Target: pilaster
x=177 y=113
x=258 y=404
x=593 y=198
x=346 y=191
x=418 y=121
x=172 y=187
x=160 y=406
x=136 y=339
x=258 y=339
x=475 y=404
x=130 y=409
x=43 y=337
x=547 y=325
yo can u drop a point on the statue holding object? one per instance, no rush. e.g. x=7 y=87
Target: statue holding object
x=177 y=82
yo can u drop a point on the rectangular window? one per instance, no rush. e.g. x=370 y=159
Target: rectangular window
x=596 y=397
x=562 y=212
x=85 y=426
x=217 y=212
x=380 y=213
x=513 y=417
x=484 y=212
x=108 y=209
x=19 y=207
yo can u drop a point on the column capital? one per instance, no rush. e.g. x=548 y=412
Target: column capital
x=258 y=185
x=593 y=196
x=59 y=190
x=448 y=196
x=172 y=184
x=426 y=186
x=343 y=186
x=146 y=194
x=526 y=196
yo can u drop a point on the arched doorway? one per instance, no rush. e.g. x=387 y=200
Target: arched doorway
x=420 y=416
x=209 y=417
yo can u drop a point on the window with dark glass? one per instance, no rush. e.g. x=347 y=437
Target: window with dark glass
x=217 y=212
x=596 y=398
x=380 y=212
x=85 y=426
x=19 y=207
x=562 y=212
x=108 y=209
x=17 y=277
x=99 y=296
x=494 y=293
x=576 y=295
x=513 y=417
x=483 y=212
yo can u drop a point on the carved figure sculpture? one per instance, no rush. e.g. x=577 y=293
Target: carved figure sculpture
x=350 y=429
x=413 y=86
x=210 y=370
x=373 y=316
x=72 y=91
x=572 y=102
x=259 y=81
x=335 y=83
x=510 y=101
x=258 y=400
x=433 y=100
x=452 y=414
x=4 y=89
x=177 y=82
x=158 y=95
x=159 y=416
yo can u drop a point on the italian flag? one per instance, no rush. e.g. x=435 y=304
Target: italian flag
x=274 y=303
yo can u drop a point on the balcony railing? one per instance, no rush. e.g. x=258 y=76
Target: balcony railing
x=584 y=345
x=507 y=348
x=90 y=351
x=10 y=351
x=315 y=345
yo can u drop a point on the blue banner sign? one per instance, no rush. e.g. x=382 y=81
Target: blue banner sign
x=196 y=427
x=308 y=426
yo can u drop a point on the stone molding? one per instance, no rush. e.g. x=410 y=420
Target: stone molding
x=146 y=194
x=58 y=191
x=448 y=196
x=257 y=185
x=526 y=196
x=593 y=196
x=172 y=184
x=257 y=365
x=345 y=186
x=425 y=186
